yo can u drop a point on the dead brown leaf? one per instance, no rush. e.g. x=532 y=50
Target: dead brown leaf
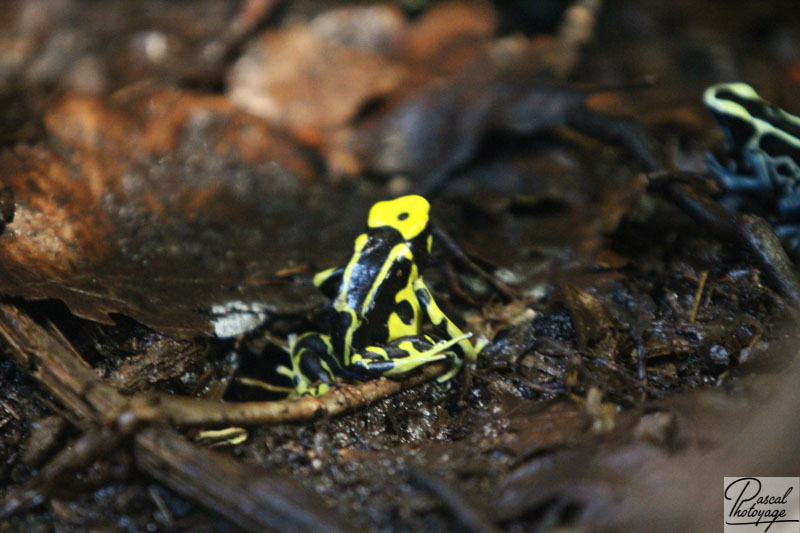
x=308 y=83
x=159 y=205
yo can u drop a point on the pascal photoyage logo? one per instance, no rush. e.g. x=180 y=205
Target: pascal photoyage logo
x=762 y=504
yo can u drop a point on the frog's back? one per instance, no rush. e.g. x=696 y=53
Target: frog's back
x=378 y=270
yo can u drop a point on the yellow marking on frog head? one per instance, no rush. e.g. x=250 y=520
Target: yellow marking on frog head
x=407 y=214
x=738 y=88
x=713 y=99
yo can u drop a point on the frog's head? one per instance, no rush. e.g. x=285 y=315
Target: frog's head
x=739 y=111
x=409 y=216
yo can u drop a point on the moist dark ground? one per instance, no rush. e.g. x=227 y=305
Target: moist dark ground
x=631 y=365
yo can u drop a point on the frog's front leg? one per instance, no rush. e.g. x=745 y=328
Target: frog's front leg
x=402 y=356
x=443 y=325
x=314 y=365
x=759 y=181
x=789 y=205
x=329 y=280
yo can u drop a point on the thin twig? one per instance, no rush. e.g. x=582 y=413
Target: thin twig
x=10 y=410
x=455 y=250
x=184 y=411
x=697 y=296
x=161 y=505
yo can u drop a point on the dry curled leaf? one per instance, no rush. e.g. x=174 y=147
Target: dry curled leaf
x=401 y=97
x=311 y=78
x=163 y=206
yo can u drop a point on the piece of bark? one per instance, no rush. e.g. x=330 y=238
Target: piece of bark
x=251 y=496
x=159 y=360
x=753 y=234
x=52 y=361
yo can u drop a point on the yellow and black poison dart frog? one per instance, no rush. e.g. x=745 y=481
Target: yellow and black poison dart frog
x=764 y=143
x=379 y=303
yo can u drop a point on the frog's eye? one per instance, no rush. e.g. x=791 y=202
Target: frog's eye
x=402 y=216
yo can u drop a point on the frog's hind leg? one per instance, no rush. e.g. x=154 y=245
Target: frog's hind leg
x=404 y=355
x=758 y=181
x=313 y=366
x=443 y=325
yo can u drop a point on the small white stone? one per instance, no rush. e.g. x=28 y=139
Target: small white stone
x=236 y=317
x=507 y=276
x=155 y=46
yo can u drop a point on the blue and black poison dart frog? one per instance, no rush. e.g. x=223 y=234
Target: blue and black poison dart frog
x=380 y=302
x=764 y=144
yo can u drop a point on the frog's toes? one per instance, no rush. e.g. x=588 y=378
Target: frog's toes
x=404 y=355
x=365 y=365
x=317 y=390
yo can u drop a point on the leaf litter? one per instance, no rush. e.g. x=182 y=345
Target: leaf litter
x=178 y=208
